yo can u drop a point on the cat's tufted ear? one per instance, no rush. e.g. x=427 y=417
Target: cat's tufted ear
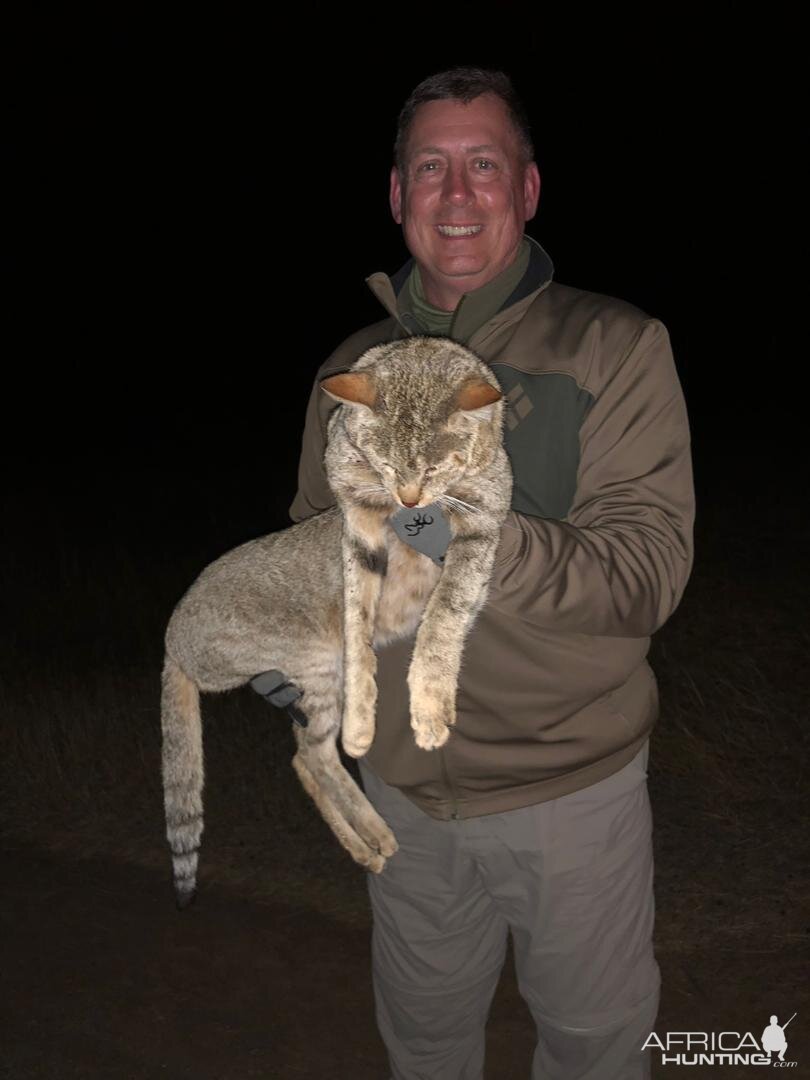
x=351 y=388
x=476 y=394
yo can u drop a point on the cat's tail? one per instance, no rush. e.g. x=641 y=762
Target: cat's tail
x=182 y=776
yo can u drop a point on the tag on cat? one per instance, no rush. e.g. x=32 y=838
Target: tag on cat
x=425 y=529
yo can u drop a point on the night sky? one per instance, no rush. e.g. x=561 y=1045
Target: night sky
x=195 y=207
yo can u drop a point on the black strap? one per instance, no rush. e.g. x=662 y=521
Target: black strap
x=275 y=687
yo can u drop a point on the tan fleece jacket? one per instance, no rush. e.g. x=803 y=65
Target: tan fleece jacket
x=555 y=691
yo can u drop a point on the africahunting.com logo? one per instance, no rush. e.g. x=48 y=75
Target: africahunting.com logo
x=724 y=1047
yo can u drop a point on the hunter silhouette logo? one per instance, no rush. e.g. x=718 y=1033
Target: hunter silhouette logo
x=773 y=1038
x=413 y=528
x=724 y=1047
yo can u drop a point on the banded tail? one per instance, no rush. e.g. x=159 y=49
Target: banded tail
x=183 y=776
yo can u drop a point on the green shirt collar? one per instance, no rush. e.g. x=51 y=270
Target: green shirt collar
x=395 y=295
x=473 y=309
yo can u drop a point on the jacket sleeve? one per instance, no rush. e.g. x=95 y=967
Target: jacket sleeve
x=618 y=565
x=314 y=493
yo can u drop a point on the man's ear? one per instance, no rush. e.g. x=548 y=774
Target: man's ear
x=351 y=388
x=395 y=195
x=531 y=190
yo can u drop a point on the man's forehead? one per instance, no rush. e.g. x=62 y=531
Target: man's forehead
x=479 y=125
x=479 y=148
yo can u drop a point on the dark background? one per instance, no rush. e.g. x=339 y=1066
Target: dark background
x=192 y=204
x=195 y=208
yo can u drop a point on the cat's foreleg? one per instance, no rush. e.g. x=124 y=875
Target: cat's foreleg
x=365 y=563
x=450 y=613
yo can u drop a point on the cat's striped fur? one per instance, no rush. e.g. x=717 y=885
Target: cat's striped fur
x=420 y=422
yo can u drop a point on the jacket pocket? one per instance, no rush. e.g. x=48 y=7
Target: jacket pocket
x=635 y=703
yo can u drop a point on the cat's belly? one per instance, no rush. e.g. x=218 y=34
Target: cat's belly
x=407 y=585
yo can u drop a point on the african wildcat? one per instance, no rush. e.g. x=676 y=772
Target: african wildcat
x=420 y=422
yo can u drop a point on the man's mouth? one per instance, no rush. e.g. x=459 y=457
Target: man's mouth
x=459 y=230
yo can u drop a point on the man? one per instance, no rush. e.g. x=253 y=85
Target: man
x=534 y=817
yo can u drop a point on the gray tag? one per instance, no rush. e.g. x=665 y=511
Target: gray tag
x=425 y=529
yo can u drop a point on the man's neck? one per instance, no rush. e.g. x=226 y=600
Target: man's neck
x=445 y=293
x=473 y=307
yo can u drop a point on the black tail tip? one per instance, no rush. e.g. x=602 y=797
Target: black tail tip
x=185 y=899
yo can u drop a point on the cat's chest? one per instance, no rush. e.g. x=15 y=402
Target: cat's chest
x=406 y=587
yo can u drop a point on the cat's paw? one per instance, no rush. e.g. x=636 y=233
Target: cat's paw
x=431 y=734
x=357 y=743
x=431 y=720
x=384 y=842
x=359 y=717
x=389 y=845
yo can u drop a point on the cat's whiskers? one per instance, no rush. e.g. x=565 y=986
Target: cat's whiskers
x=452 y=506
x=466 y=508
x=458 y=504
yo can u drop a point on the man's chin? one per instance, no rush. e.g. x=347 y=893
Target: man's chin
x=461 y=268
x=445 y=280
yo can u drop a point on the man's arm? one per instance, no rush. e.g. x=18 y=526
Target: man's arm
x=620 y=562
x=314 y=493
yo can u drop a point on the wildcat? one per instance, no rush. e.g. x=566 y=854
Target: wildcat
x=420 y=423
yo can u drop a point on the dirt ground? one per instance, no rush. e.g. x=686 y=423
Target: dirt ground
x=102 y=977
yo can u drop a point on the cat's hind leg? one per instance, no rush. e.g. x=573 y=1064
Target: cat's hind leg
x=342 y=803
x=360 y=851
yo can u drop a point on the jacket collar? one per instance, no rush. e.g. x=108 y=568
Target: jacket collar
x=389 y=290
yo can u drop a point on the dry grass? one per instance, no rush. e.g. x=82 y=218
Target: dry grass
x=81 y=733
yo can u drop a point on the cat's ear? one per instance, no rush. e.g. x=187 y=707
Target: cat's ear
x=351 y=388
x=475 y=394
x=474 y=400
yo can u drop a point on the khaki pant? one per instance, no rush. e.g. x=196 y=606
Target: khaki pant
x=572 y=879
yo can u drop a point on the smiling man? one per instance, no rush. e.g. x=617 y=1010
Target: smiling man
x=534 y=816
x=463 y=188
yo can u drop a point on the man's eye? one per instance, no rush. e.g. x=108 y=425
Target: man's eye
x=427 y=166
x=485 y=164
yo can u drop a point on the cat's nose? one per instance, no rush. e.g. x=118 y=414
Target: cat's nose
x=409 y=495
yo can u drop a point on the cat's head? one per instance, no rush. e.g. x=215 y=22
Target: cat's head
x=424 y=414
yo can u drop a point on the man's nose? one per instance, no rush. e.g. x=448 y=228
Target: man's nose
x=457 y=186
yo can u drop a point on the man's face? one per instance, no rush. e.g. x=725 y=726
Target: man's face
x=464 y=197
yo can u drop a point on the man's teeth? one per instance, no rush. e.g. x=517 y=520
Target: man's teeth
x=459 y=230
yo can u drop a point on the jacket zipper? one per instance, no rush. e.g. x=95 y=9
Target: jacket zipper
x=454 y=812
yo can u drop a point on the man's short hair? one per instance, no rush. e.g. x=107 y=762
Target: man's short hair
x=464 y=84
